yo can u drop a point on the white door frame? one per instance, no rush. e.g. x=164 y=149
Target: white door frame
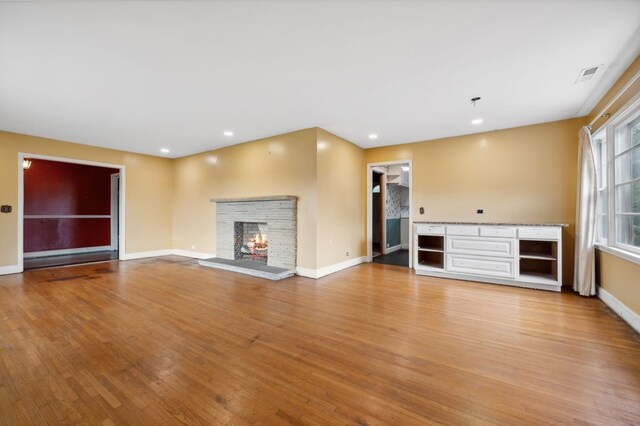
x=115 y=216
x=23 y=155
x=370 y=167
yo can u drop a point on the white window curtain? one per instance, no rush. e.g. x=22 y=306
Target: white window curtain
x=584 y=281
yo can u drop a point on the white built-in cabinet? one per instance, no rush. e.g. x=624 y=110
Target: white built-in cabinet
x=519 y=255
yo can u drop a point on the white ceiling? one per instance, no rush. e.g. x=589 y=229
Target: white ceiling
x=143 y=75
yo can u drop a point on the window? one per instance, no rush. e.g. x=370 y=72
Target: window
x=617 y=156
x=627 y=183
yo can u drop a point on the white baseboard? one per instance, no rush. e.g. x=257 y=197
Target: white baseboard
x=145 y=254
x=319 y=273
x=306 y=272
x=392 y=249
x=66 y=251
x=13 y=269
x=631 y=317
x=193 y=254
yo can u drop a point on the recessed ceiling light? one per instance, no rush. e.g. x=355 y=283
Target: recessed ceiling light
x=228 y=133
x=373 y=136
x=164 y=150
x=477 y=121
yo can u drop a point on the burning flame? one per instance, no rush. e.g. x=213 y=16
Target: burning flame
x=261 y=238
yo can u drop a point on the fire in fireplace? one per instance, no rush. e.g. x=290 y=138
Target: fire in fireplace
x=251 y=241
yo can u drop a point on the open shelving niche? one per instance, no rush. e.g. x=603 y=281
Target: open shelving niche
x=539 y=260
x=431 y=251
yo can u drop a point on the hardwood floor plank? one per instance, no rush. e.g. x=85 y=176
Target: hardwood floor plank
x=165 y=341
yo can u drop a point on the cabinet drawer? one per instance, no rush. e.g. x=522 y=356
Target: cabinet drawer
x=539 y=232
x=425 y=229
x=462 y=230
x=497 y=231
x=482 y=246
x=490 y=267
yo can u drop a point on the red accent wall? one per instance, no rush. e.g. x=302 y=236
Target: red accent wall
x=55 y=188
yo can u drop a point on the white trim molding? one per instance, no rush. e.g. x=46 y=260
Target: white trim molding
x=21 y=216
x=394 y=248
x=67 y=216
x=623 y=254
x=146 y=254
x=193 y=254
x=626 y=313
x=319 y=273
x=13 y=269
x=62 y=252
x=369 y=206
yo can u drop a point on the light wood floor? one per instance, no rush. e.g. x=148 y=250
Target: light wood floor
x=164 y=341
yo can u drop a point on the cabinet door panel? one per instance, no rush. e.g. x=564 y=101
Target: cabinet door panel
x=462 y=230
x=497 y=231
x=425 y=229
x=539 y=232
x=492 y=267
x=482 y=246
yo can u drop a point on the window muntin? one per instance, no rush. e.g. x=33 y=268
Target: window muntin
x=626 y=178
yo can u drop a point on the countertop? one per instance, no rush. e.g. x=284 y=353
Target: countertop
x=564 y=225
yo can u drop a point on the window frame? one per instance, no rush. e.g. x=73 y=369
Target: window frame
x=626 y=115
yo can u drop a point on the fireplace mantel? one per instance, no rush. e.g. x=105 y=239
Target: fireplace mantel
x=251 y=199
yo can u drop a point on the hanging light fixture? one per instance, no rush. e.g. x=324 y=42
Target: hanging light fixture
x=26 y=163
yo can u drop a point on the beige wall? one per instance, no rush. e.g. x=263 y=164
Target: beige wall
x=279 y=165
x=618 y=276
x=340 y=200
x=149 y=190
x=524 y=174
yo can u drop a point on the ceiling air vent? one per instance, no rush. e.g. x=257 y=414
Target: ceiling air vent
x=587 y=74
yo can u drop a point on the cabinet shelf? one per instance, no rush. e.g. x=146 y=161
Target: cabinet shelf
x=536 y=249
x=430 y=249
x=431 y=242
x=539 y=277
x=537 y=256
x=431 y=259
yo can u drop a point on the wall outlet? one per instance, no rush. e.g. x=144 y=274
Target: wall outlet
x=347 y=254
x=421 y=210
x=5 y=209
x=480 y=211
x=387 y=245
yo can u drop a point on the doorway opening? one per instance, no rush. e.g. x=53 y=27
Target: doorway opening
x=377 y=208
x=389 y=221
x=70 y=212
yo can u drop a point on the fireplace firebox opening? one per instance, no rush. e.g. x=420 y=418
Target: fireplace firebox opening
x=251 y=241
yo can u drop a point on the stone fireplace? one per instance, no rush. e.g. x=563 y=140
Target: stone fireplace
x=260 y=230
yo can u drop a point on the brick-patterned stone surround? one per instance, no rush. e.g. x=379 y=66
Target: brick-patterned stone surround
x=278 y=212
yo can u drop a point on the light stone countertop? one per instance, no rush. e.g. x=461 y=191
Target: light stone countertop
x=431 y=222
